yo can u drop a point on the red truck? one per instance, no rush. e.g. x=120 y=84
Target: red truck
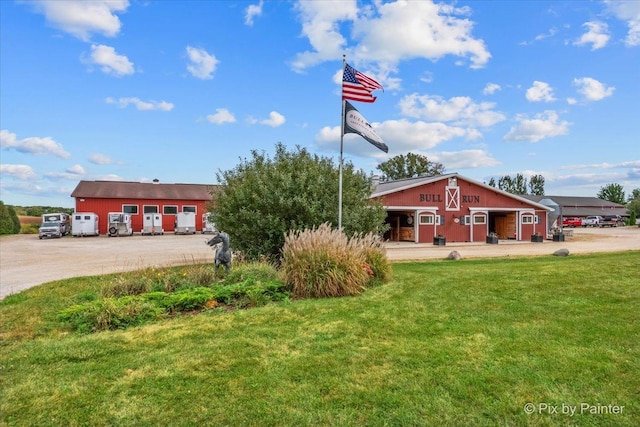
x=572 y=222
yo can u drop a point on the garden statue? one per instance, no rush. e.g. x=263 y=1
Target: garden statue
x=222 y=254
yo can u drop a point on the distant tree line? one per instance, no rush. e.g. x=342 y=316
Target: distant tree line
x=520 y=185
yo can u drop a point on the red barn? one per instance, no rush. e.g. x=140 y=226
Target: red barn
x=458 y=208
x=138 y=198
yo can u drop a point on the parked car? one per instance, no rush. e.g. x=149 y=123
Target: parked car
x=592 y=221
x=572 y=222
x=611 y=221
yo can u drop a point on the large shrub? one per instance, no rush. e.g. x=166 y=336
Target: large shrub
x=9 y=222
x=324 y=262
x=263 y=198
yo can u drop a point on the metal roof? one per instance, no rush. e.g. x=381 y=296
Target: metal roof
x=143 y=190
x=584 y=206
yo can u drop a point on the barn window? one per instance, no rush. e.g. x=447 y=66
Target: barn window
x=170 y=210
x=479 y=219
x=150 y=209
x=527 y=219
x=189 y=209
x=426 y=219
x=130 y=209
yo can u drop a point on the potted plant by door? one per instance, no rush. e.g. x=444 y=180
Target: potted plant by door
x=536 y=237
x=492 y=238
x=558 y=235
x=439 y=240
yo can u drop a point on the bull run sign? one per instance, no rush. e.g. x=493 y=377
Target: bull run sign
x=437 y=198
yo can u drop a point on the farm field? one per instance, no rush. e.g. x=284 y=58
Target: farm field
x=501 y=341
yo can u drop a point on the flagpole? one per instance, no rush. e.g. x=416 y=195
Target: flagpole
x=344 y=61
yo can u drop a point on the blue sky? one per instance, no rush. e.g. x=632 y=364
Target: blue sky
x=178 y=90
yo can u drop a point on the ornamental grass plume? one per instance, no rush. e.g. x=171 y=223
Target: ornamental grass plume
x=323 y=262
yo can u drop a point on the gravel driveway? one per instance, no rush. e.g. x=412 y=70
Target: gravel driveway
x=26 y=261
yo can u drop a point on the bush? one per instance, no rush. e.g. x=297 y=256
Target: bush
x=29 y=228
x=110 y=313
x=138 y=297
x=324 y=263
x=264 y=197
x=182 y=300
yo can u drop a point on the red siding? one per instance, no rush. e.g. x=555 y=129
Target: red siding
x=103 y=206
x=473 y=199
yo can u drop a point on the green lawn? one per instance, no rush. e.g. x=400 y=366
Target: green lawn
x=466 y=343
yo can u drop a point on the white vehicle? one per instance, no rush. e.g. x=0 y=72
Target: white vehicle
x=84 y=224
x=207 y=225
x=152 y=224
x=592 y=221
x=54 y=225
x=119 y=224
x=185 y=223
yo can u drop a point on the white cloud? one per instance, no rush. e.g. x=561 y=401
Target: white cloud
x=81 y=18
x=491 y=88
x=429 y=30
x=76 y=169
x=540 y=91
x=202 y=64
x=544 y=125
x=251 y=12
x=461 y=110
x=552 y=32
x=100 y=159
x=275 y=119
x=221 y=116
x=141 y=105
x=628 y=11
x=400 y=135
x=320 y=25
x=465 y=159
x=109 y=61
x=23 y=172
x=596 y=35
x=32 y=145
x=592 y=89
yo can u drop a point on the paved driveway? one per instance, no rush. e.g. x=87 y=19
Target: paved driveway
x=26 y=261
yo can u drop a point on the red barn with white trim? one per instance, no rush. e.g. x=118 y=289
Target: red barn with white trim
x=138 y=198
x=458 y=208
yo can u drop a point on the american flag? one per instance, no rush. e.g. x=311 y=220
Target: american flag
x=357 y=86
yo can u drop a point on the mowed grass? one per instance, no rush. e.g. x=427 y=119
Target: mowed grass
x=466 y=343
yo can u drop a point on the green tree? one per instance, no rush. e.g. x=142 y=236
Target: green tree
x=505 y=183
x=633 y=205
x=263 y=198
x=612 y=192
x=14 y=219
x=409 y=166
x=518 y=184
x=8 y=220
x=536 y=185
